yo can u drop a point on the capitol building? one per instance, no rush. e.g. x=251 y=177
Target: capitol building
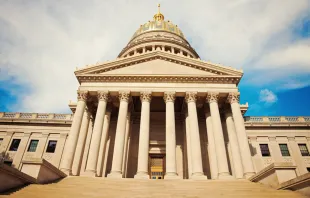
x=158 y=112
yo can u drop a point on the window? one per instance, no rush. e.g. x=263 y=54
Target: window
x=14 y=144
x=265 y=150
x=1 y=139
x=284 y=150
x=308 y=169
x=51 y=146
x=9 y=163
x=303 y=149
x=33 y=146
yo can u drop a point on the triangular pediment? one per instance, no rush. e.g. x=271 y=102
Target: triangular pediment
x=157 y=64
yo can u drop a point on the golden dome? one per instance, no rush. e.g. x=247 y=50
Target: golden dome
x=158 y=24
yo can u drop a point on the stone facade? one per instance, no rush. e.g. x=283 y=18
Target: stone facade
x=157 y=112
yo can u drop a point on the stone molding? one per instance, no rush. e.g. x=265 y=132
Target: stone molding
x=82 y=95
x=169 y=97
x=212 y=97
x=146 y=96
x=124 y=96
x=233 y=98
x=103 y=96
x=191 y=97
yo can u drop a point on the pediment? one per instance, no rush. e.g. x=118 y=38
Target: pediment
x=156 y=65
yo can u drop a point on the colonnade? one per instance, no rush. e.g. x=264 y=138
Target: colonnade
x=241 y=157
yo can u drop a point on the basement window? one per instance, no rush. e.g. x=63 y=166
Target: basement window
x=51 y=146
x=14 y=145
x=303 y=149
x=265 y=150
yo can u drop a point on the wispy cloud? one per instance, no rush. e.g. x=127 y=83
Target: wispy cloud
x=267 y=96
x=42 y=42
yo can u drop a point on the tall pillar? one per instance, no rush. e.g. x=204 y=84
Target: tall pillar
x=211 y=146
x=197 y=171
x=126 y=145
x=233 y=99
x=234 y=145
x=91 y=166
x=171 y=167
x=103 y=142
x=188 y=146
x=80 y=144
x=144 y=136
x=221 y=156
x=116 y=171
x=67 y=159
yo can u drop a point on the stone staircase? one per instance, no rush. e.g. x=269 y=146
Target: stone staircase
x=86 y=187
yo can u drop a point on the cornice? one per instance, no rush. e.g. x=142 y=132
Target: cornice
x=182 y=60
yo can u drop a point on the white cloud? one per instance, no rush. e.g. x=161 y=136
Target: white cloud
x=267 y=96
x=41 y=42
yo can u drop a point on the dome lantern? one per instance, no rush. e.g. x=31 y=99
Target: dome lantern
x=159 y=16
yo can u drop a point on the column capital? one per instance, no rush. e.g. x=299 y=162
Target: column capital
x=169 y=96
x=212 y=97
x=124 y=96
x=233 y=98
x=103 y=96
x=146 y=96
x=82 y=95
x=191 y=97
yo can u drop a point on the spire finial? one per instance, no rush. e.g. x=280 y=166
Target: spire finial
x=159 y=16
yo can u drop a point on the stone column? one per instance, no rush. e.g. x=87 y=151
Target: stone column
x=234 y=145
x=197 y=171
x=126 y=144
x=188 y=146
x=80 y=144
x=91 y=166
x=103 y=142
x=233 y=99
x=116 y=171
x=144 y=136
x=171 y=168
x=212 y=99
x=67 y=159
x=211 y=146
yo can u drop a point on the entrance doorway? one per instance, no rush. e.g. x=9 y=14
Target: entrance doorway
x=156 y=166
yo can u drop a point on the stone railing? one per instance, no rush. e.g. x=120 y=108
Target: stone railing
x=35 y=116
x=277 y=119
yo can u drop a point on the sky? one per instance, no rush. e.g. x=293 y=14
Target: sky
x=43 y=42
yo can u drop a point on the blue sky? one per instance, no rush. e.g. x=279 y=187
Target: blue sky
x=42 y=42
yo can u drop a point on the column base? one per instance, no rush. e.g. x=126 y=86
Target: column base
x=142 y=175
x=225 y=176
x=198 y=176
x=66 y=171
x=171 y=176
x=115 y=175
x=248 y=175
x=90 y=173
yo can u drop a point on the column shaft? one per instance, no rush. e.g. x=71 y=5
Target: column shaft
x=144 y=136
x=92 y=160
x=188 y=147
x=233 y=99
x=197 y=171
x=218 y=136
x=104 y=136
x=80 y=145
x=126 y=145
x=70 y=146
x=171 y=168
x=234 y=145
x=211 y=146
x=117 y=161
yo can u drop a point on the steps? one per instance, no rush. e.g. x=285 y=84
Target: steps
x=76 y=187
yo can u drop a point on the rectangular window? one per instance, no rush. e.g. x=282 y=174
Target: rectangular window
x=9 y=163
x=51 y=146
x=303 y=149
x=284 y=150
x=14 y=144
x=1 y=139
x=308 y=169
x=265 y=150
x=33 y=146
